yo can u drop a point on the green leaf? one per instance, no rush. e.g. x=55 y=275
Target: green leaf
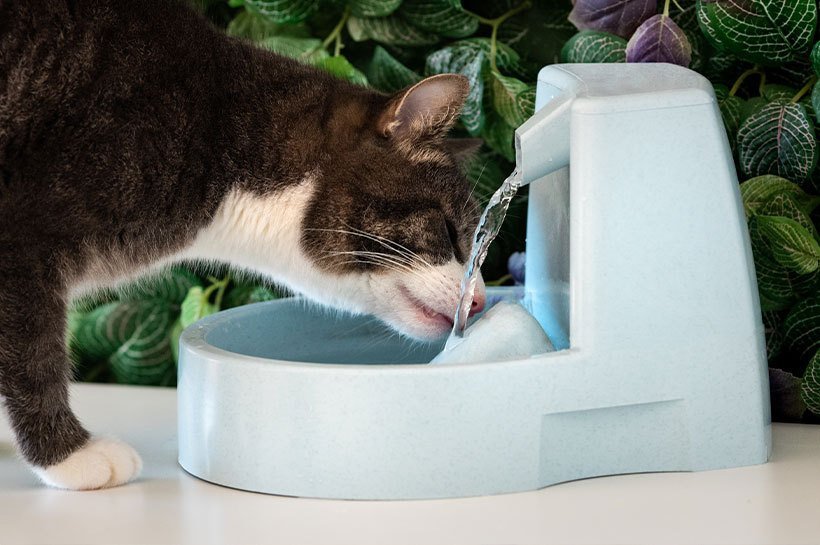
x=778 y=139
x=792 y=245
x=247 y=294
x=439 y=16
x=387 y=74
x=779 y=286
x=801 y=328
x=758 y=192
x=373 y=8
x=506 y=58
x=176 y=331
x=762 y=31
x=539 y=33
x=499 y=135
x=146 y=356
x=772 y=326
x=296 y=48
x=253 y=26
x=815 y=58
x=341 y=68
x=284 y=11
x=592 y=46
x=100 y=332
x=815 y=101
x=810 y=385
x=731 y=108
x=774 y=92
x=470 y=62
x=195 y=307
x=512 y=99
x=391 y=30
x=788 y=207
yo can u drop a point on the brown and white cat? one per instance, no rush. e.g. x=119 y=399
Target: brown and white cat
x=133 y=134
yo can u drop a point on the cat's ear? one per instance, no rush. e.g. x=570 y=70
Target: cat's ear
x=463 y=150
x=427 y=110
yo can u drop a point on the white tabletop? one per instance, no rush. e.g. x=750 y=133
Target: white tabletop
x=777 y=503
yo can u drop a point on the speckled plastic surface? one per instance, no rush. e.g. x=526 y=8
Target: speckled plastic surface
x=638 y=265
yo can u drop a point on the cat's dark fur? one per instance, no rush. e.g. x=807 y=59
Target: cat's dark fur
x=123 y=126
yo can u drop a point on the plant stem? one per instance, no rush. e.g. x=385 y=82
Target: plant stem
x=805 y=89
x=499 y=281
x=221 y=292
x=495 y=23
x=666 y=9
x=334 y=36
x=753 y=70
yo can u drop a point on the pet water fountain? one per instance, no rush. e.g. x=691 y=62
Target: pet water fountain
x=638 y=267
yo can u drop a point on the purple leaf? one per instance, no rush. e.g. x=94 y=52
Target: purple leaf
x=515 y=264
x=619 y=17
x=659 y=39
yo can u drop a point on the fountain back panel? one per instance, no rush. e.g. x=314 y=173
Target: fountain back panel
x=639 y=257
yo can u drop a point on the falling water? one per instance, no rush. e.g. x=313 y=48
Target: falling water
x=488 y=226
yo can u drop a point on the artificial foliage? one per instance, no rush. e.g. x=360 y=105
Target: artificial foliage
x=761 y=56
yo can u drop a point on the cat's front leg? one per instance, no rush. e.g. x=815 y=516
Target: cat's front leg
x=34 y=376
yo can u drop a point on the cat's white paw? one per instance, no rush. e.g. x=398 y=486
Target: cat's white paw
x=102 y=463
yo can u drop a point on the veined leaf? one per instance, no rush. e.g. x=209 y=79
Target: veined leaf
x=778 y=139
x=762 y=31
x=810 y=385
x=779 y=286
x=730 y=110
x=253 y=26
x=470 y=62
x=387 y=74
x=815 y=58
x=506 y=95
x=759 y=191
x=284 y=11
x=787 y=207
x=792 y=245
x=146 y=357
x=373 y=8
x=499 y=135
x=802 y=327
x=592 y=46
x=391 y=30
x=439 y=16
x=619 y=17
x=772 y=326
x=659 y=39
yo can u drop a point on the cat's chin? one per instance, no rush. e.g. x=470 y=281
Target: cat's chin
x=427 y=323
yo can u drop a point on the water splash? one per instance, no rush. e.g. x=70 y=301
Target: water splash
x=488 y=226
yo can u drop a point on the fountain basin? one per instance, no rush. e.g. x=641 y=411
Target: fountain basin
x=639 y=269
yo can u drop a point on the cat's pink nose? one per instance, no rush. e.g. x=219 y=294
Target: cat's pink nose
x=479 y=299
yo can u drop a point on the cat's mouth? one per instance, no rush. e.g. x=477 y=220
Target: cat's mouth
x=425 y=313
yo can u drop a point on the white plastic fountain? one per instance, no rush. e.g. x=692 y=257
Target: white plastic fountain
x=638 y=267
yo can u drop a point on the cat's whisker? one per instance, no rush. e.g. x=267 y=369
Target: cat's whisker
x=391 y=242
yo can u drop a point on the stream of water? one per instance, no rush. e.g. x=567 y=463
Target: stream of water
x=488 y=226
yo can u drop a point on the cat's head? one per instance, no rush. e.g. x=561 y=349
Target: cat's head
x=392 y=215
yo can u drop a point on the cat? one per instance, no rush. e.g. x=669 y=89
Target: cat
x=134 y=134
